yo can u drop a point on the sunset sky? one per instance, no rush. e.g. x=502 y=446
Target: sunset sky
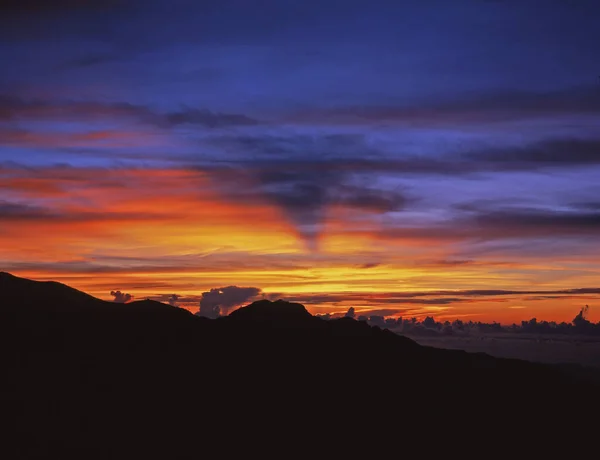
x=404 y=158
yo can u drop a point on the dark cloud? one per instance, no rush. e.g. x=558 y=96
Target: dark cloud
x=298 y=147
x=431 y=298
x=439 y=301
x=315 y=299
x=308 y=163
x=302 y=197
x=301 y=194
x=369 y=199
x=16 y=108
x=449 y=262
x=350 y=313
x=23 y=212
x=500 y=292
x=543 y=297
x=539 y=222
x=379 y=298
x=554 y=153
x=219 y=301
x=208 y=119
x=538 y=156
x=370 y=265
x=173 y=300
x=521 y=103
x=492 y=106
x=304 y=187
x=18 y=212
x=590 y=205
x=121 y=297
x=477 y=223
x=580 y=291
x=304 y=190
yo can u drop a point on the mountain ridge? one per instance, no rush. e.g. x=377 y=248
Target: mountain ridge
x=23 y=293
x=101 y=381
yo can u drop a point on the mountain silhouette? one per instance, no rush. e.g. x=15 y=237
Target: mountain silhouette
x=93 y=379
x=23 y=297
x=21 y=293
x=278 y=313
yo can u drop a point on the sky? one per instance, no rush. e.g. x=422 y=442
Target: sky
x=403 y=158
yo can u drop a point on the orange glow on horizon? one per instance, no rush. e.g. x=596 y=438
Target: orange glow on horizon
x=152 y=232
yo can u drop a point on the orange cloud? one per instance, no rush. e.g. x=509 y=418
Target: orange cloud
x=99 y=138
x=155 y=232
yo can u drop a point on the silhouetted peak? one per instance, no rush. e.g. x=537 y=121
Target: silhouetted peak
x=16 y=292
x=149 y=305
x=274 y=312
x=6 y=277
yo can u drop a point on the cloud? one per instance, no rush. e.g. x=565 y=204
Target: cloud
x=479 y=224
x=528 y=223
x=590 y=205
x=522 y=104
x=430 y=299
x=208 y=118
x=369 y=265
x=435 y=301
x=350 y=313
x=448 y=262
x=14 y=108
x=299 y=193
x=541 y=221
x=369 y=199
x=173 y=300
x=17 y=212
x=23 y=212
x=121 y=297
x=500 y=292
x=290 y=146
x=552 y=153
x=299 y=173
x=492 y=106
x=304 y=190
x=219 y=301
x=316 y=299
x=76 y=143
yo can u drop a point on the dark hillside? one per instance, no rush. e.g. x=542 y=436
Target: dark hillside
x=147 y=380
